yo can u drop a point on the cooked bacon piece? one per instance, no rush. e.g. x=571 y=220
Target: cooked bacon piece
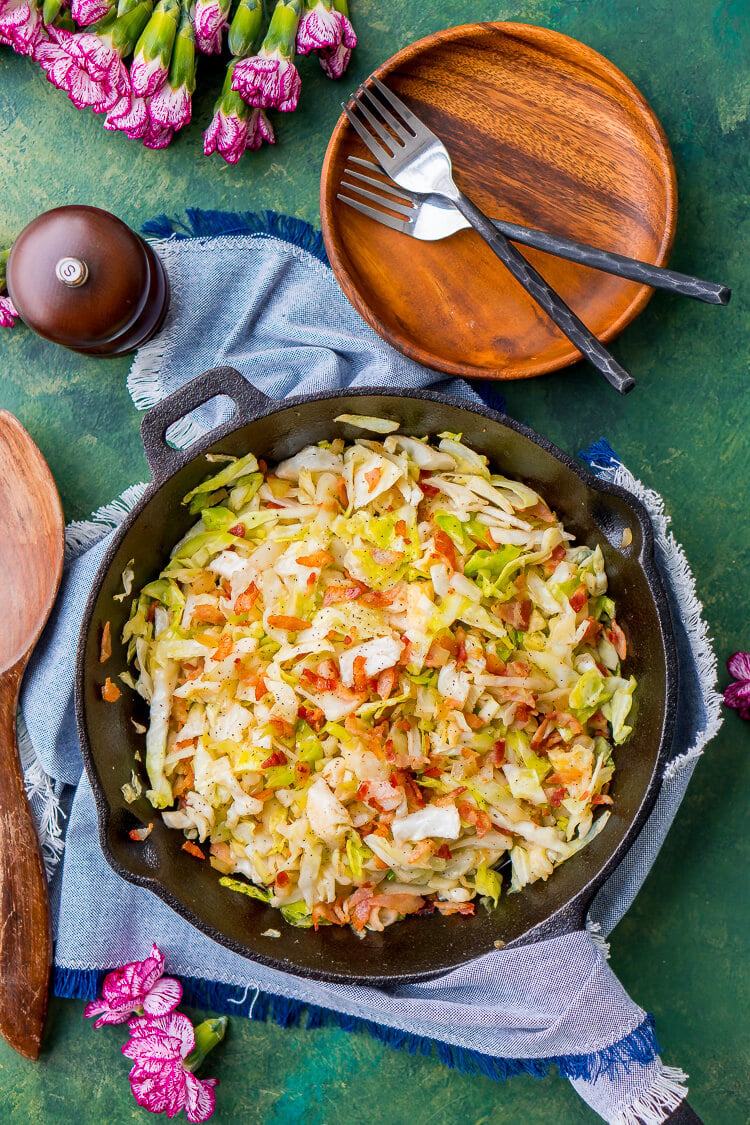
x=387 y=681
x=247 y=599
x=557 y=556
x=140 y=834
x=223 y=648
x=328 y=912
x=601 y=799
x=260 y=689
x=578 y=598
x=382 y=598
x=237 y=529
x=277 y=758
x=616 y=638
x=193 y=849
x=223 y=853
x=185 y=777
x=443 y=852
x=429 y=490
x=498 y=753
x=373 y=478
x=361 y=680
x=290 y=624
x=517 y=614
x=105 y=650
x=445 y=546
x=336 y=594
x=316 y=682
x=495 y=666
x=420 y=851
x=437 y=656
x=541 y=512
x=449 y=798
x=454 y=907
x=477 y=817
x=316 y=559
x=110 y=692
x=593 y=629
x=385 y=557
x=282 y=879
x=208 y=612
x=313 y=716
x=401 y=528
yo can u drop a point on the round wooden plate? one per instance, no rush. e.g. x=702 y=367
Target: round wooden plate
x=542 y=131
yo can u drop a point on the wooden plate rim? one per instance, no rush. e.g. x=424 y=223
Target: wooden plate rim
x=530 y=368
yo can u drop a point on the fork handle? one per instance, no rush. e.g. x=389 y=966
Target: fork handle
x=546 y=297
x=618 y=264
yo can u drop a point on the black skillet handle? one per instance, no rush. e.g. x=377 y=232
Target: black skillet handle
x=249 y=403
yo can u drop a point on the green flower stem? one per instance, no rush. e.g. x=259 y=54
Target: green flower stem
x=207 y=1035
x=159 y=34
x=4 y=255
x=129 y=26
x=229 y=101
x=282 y=30
x=182 y=67
x=245 y=28
x=51 y=10
x=341 y=6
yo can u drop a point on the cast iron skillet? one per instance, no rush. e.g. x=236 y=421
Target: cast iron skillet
x=417 y=948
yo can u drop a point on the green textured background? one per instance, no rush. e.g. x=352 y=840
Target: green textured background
x=682 y=949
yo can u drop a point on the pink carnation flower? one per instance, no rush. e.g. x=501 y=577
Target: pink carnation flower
x=159 y=1079
x=335 y=60
x=209 y=21
x=89 y=70
x=156 y=136
x=737 y=695
x=138 y=986
x=319 y=29
x=170 y=108
x=267 y=81
x=147 y=75
x=86 y=12
x=230 y=135
x=21 y=27
x=8 y=313
x=130 y=116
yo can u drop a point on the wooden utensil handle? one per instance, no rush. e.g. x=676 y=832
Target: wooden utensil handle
x=25 y=930
x=546 y=297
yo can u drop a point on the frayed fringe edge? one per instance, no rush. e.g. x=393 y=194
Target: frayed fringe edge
x=45 y=805
x=594 y=930
x=82 y=534
x=602 y=459
x=637 y=1048
x=207 y=224
x=661 y=1099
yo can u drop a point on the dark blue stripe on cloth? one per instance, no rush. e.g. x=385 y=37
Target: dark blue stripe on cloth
x=639 y=1047
x=207 y=224
x=600 y=455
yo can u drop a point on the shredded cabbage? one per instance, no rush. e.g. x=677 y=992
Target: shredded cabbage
x=375 y=674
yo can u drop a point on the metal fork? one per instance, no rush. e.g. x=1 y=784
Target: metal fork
x=429 y=218
x=417 y=160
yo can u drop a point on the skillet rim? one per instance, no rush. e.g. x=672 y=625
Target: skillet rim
x=570 y=915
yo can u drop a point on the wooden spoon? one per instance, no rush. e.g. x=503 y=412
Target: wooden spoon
x=31 y=560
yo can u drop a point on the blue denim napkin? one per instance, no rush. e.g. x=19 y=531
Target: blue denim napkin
x=256 y=292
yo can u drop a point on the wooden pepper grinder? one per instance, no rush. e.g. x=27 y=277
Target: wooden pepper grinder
x=81 y=278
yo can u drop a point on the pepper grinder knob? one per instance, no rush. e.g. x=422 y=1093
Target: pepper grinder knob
x=71 y=271
x=81 y=278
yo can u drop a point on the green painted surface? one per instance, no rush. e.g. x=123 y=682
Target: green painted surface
x=682 y=949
